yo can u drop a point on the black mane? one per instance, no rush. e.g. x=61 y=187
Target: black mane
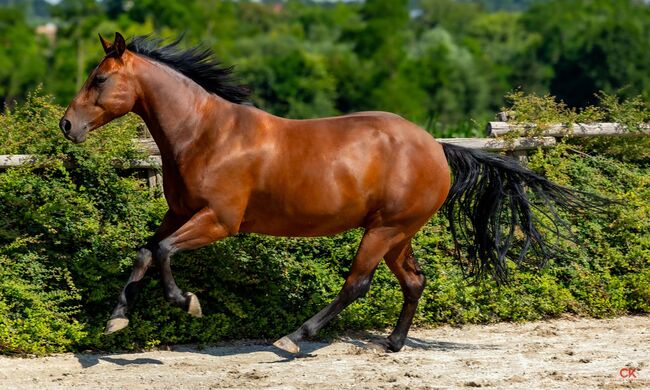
x=198 y=63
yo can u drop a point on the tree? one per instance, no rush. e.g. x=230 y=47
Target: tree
x=593 y=45
x=380 y=44
x=505 y=53
x=78 y=20
x=22 y=63
x=452 y=15
x=449 y=74
x=384 y=25
x=505 y=5
x=288 y=77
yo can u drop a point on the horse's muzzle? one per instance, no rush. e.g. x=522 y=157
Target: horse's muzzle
x=66 y=127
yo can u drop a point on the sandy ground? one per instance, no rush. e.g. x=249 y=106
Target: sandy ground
x=571 y=353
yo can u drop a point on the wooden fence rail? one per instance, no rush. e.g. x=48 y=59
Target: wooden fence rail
x=497 y=129
x=516 y=146
x=14 y=160
x=501 y=145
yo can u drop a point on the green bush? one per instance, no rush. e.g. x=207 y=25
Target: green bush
x=70 y=224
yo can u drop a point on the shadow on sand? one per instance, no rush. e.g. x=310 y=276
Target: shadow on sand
x=88 y=360
x=364 y=341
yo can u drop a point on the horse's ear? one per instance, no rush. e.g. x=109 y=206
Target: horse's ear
x=119 y=45
x=105 y=44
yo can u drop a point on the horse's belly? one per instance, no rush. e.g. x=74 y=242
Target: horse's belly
x=276 y=227
x=302 y=219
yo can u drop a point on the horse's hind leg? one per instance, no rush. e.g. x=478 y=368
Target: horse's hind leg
x=374 y=245
x=402 y=262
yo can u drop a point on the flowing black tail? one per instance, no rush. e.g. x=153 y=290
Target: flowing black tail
x=491 y=208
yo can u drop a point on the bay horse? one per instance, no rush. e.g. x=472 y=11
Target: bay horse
x=229 y=167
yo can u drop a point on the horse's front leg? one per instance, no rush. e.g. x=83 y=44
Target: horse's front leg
x=119 y=319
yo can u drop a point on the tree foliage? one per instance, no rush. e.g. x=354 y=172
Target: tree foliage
x=433 y=61
x=591 y=46
x=21 y=53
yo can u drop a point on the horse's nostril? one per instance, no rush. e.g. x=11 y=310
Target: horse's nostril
x=65 y=125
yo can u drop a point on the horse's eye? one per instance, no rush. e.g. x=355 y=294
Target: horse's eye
x=99 y=79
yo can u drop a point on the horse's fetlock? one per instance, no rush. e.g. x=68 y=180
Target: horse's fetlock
x=172 y=297
x=395 y=343
x=306 y=330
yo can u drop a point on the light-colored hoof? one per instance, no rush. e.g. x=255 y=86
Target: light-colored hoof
x=115 y=324
x=194 y=308
x=286 y=344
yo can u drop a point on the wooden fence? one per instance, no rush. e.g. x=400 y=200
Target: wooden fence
x=495 y=130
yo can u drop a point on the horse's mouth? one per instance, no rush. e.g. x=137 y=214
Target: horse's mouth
x=77 y=139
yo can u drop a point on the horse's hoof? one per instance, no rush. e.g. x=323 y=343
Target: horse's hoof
x=194 y=307
x=115 y=324
x=286 y=344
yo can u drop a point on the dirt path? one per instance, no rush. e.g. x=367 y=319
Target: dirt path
x=558 y=354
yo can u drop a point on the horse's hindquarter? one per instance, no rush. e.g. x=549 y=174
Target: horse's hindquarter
x=320 y=177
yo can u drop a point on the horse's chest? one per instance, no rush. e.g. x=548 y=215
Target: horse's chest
x=183 y=191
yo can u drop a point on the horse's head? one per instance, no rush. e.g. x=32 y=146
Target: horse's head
x=108 y=93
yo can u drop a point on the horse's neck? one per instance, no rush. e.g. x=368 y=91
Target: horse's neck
x=173 y=108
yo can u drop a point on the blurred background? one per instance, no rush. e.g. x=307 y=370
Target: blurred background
x=444 y=64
